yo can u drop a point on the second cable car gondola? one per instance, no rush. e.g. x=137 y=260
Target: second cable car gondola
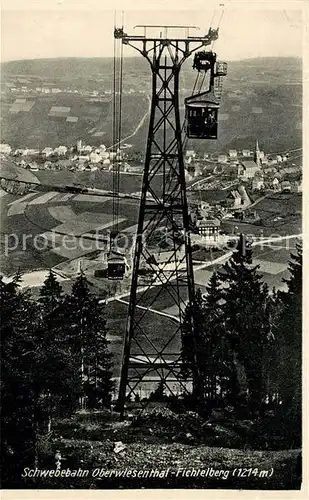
x=116 y=266
x=202 y=116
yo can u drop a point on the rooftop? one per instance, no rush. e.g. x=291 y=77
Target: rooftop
x=249 y=164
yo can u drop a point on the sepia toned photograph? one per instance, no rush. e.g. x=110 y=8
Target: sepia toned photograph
x=151 y=228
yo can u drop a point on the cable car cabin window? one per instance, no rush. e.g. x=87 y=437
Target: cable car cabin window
x=203 y=124
x=221 y=68
x=115 y=270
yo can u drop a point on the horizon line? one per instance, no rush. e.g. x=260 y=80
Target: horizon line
x=138 y=57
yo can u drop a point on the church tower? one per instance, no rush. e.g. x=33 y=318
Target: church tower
x=257 y=154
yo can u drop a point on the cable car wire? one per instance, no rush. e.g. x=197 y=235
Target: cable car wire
x=117 y=119
x=218 y=26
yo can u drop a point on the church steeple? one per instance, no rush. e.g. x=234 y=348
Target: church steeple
x=257 y=156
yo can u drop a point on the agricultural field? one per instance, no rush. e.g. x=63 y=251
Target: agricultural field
x=259 y=100
x=55 y=120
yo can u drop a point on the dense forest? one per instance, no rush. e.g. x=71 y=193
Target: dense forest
x=241 y=345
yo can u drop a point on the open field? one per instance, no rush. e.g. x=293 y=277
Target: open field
x=261 y=98
x=63 y=119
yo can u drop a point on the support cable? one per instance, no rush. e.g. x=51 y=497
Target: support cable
x=117 y=119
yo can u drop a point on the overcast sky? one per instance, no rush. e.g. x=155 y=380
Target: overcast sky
x=244 y=33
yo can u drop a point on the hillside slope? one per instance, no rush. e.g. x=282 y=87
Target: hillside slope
x=262 y=98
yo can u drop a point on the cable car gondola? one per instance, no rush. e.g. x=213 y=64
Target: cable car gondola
x=202 y=116
x=116 y=266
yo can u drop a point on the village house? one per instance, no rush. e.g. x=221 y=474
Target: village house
x=250 y=168
x=190 y=153
x=83 y=158
x=209 y=228
x=95 y=157
x=30 y=152
x=33 y=166
x=286 y=187
x=233 y=200
x=47 y=152
x=222 y=158
x=233 y=153
x=61 y=150
x=276 y=184
x=5 y=149
x=257 y=183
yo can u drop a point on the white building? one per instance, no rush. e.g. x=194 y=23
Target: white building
x=257 y=184
x=83 y=158
x=233 y=200
x=61 y=150
x=95 y=157
x=276 y=184
x=232 y=153
x=250 y=168
x=34 y=166
x=222 y=158
x=29 y=152
x=5 y=149
x=18 y=152
x=190 y=153
x=47 y=152
x=286 y=187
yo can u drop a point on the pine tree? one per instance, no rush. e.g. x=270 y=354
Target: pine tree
x=212 y=353
x=216 y=359
x=159 y=393
x=289 y=345
x=86 y=330
x=57 y=367
x=247 y=324
x=192 y=336
x=19 y=387
x=51 y=294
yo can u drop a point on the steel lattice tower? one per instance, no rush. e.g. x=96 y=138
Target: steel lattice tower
x=162 y=266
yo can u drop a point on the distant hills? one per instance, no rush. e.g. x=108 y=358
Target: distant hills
x=262 y=98
x=282 y=68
